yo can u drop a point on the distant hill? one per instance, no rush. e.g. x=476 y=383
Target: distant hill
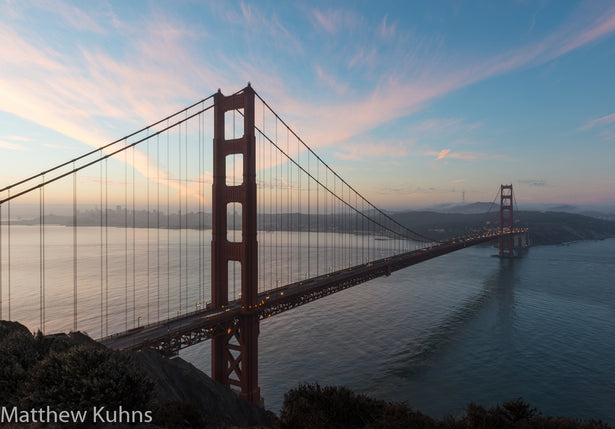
x=545 y=227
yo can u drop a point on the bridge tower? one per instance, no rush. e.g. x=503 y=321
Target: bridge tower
x=235 y=349
x=507 y=244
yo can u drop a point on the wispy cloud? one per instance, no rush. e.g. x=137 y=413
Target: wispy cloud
x=458 y=181
x=604 y=120
x=386 y=31
x=73 y=16
x=330 y=81
x=443 y=153
x=464 y=155
x=18 y=138
x=360 y=150
x=399 y=93
x=533 y=182
x=12 y=146
x=57 y=146
x=333 y=21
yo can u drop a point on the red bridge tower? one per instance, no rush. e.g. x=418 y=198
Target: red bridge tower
x=507 y=244
x=235 y=351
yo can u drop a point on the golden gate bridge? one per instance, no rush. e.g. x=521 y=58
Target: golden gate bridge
x=138 y=261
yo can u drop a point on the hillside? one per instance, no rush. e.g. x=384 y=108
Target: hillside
x=548 y=227
x=545 y=227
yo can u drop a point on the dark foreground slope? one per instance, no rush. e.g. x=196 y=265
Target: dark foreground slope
x=74 y=373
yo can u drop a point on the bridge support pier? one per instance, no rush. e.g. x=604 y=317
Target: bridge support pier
x=235 y=350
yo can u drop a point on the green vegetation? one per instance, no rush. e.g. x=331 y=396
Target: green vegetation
x=66 y=372
x=312 y=406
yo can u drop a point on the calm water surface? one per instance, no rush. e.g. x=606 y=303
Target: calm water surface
x=463 y=327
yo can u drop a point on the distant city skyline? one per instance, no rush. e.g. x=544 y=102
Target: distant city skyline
x=412 y=103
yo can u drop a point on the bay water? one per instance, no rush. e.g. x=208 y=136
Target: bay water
x=462 y=327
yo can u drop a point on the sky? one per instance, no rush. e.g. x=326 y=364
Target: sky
x=413 y=103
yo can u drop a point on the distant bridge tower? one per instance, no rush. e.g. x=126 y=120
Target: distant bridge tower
x=507 y=244
x=235 y=350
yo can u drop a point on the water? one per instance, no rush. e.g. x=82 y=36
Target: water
x=462 y=327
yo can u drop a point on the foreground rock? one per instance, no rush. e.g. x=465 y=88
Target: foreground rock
x=72 y=372
x=182 y=388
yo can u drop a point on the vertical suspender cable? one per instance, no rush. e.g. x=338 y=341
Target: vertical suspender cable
x=74 y=250
x=200 y=176
x=41 y=256
x=289 y=206
x=309 y=228
x=158 y=227
x=271 y=215
x=277 y=218
x=179 y=182
x=298 y=214
x=107 y=245
x=147 y=225
x=234 y=216
x=186 y=214
x=134 y=245
x=9 y=256
x=168 y=224
x=0 y=261
x=102 y=331
x=126 y=237
x=317 y=219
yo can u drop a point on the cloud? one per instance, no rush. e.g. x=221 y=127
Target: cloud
x=340 y=88
x=386 y=31
x=414 y=81
x=333 y=21
x=255 y=21
x=73 y=16
x=361 y=150
x=604 y=120
x=468 y=156
x=443 y=153
x=533 y=182
x=57 y=146
x=458 y=181
x=12 y=146
x=18 y=138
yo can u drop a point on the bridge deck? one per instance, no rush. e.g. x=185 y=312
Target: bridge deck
x=171 y=335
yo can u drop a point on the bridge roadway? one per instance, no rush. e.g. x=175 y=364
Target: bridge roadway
x=171 y=335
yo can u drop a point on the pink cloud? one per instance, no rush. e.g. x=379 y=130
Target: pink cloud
x=356 y=151
x=73 y=16
x=12 y=146
x=386 y=31
x=340 y=88
x=334 y=20
x=396 y=95
x=608 y=119
x=443 y=153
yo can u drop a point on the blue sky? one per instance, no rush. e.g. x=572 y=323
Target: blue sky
x=413 y=103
